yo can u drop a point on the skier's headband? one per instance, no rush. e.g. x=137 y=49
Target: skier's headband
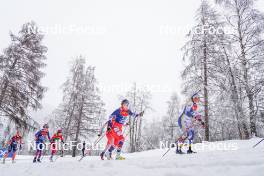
x=194 y=107
x=195 y=97
x=125 y=103
x=18 y=134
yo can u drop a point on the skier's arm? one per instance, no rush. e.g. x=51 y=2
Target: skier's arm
x=48 y=134
x=20 y=141
x=62 y=140
x=102 y=129
x=198 y=118
x=134 y=114
x=112 y=116
x=37 y=135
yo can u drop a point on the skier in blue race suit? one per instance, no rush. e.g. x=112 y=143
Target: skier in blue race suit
x=186 y=123
x=40 y=138
x=13 y=145
x=117 y=120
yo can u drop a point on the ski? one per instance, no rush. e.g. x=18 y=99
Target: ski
x=56 y=158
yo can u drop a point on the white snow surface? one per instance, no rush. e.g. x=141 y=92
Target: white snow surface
x=242 y=160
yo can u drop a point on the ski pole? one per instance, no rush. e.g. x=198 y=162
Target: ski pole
x=95 y=143
x=45 y=151
x=258 y=143
x=166 y=152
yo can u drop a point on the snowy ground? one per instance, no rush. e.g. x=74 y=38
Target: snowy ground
x=236 y=158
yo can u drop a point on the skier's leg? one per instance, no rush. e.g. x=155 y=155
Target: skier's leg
x=41 y=146
x=10 y=149
x=14 y=150
x=83 y=152
x=37 y=152
x=5 y=156
x=180 y=141
x=108 y=145
x=119 y=148
x=113 y=142
x=190 y=139
x=179 y=145
x=13 y=157
x=36 y=155
x=53 y=150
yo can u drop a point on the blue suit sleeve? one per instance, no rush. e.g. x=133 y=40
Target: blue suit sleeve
x=49 y=136
x=112 y=116
x=132 y=113
x=37 y=134
x=189 y=112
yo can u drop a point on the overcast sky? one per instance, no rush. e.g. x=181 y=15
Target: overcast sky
x=127 y=41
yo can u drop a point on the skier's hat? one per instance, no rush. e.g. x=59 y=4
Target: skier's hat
x=195 y=96
x=46 y=126
x=125 y=101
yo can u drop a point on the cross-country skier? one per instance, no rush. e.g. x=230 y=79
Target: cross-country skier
x=53 y=143
x=116 y=121
x=40 y=138
x=186 y=123
x=83 y=148
x=13 y=146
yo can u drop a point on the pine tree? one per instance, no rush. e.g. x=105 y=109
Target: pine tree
x=20 y=74
x=82 y=109
x=201 y=52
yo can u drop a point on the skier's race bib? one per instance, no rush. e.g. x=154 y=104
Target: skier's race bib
x=2 y=152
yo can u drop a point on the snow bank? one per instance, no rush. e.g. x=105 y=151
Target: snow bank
x=243 y=161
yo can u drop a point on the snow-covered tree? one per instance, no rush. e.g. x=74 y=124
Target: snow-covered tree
x=20 y=74
x=170 y=120
x=81 y=111
x=139 y=98
x=246 y=36
x=201 y=50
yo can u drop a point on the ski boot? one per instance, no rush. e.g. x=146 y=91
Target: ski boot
x=189 y=151
x=178 y=149
x=51 y=158
x=13 y=161
x=102 y=155
x=3 y=161
x=119 y=157
x=38 y=160
x=34 y=160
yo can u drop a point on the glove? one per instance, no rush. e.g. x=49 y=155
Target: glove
x=141 y=114
x=203 y=124
x=99 y=135
x=198 y=117
x=109 y=129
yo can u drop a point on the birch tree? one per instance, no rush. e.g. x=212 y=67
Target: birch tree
x=247 y=25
